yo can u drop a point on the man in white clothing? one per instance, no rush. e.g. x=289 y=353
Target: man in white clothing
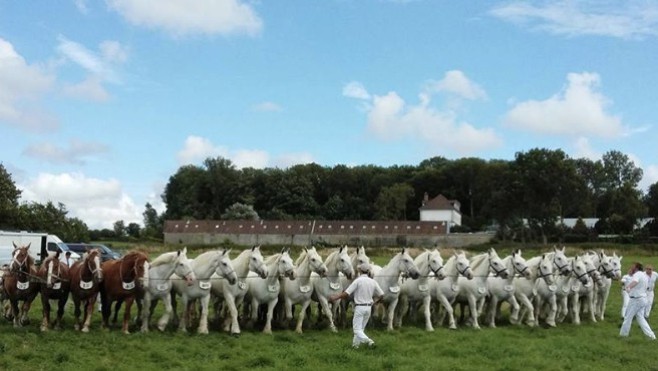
x=651 y=283
x=366 y=293
x=625 y=280
x=637 y=293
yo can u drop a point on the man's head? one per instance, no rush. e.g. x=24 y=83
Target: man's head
x=649 y=269
x=364 y=268
x=635 y=267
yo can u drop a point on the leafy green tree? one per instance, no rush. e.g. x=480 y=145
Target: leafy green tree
x=133 y=230
x=182 y=194
x=239 y=211
x=153 y=223
x=9 y=196
x=392 y=202
x=119 y=228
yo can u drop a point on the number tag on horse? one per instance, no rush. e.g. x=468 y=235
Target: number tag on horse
x=22 y=285
x=162 y=286
x=128 y=285
x=334 y=285
x=242 y=285
x=205 y=285
x=86 y=285
x=273 y=288
x=482 y=290
x=57 y=286
x=552 y=288
x=575 y=288
x=565 y=289
x=423 y=288
x=305 y=289
x=394 y=289
x=508 y=288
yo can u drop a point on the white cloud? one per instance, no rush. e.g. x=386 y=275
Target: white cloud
x=208 y=17
x=456 y=82
x=578 y=110
x=391 y=118
x=650 y=177
x=99 y=203
x=267 y=107
x=22 y=88
x=196 y=149
x=100 y=65
x=89 y=89
x=627 y=19
x=355 y=89
x=76 y=153
x=81 y=5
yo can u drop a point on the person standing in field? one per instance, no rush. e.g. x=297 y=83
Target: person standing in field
x=366 y=293
x=637 y=293
x=625 y=280
x=651 y=284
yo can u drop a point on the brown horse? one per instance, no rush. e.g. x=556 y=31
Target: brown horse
x=21 y=284
x=124 y=280
x=55 y=285
x=86 y=277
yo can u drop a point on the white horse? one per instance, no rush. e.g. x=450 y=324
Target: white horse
x=338 y=263
x=203 y=266
x=388 y=279
x=474 y=291
x=430 y=266
x=540 y=283
x=160 y=284
x=587 y=292
x=249 y=260
x=502 y=289
x=300 y=290
x=266 y=291
x=445 y=291
x=610 y=268
x=567 y=285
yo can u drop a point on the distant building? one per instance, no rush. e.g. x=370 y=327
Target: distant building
x=440 y=209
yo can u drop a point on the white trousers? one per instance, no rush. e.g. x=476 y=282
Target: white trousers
x=359 y=322
x=647 y=309
x=624 y=302
x=636 y=309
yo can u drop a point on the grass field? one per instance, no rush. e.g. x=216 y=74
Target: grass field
x=590 y=346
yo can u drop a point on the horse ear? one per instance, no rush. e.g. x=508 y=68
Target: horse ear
x=305 y=249
x=185 y=250
x=28 y=246
x=543 y=256
x=253 y=248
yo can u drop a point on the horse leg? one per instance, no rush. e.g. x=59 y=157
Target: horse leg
x=270 y=313
x=182 y=323
x=491 y=311
x=25 y=319
x=146 y=312
x=45 y=304
x=15 y=312
x=203 y=320
x=233 y=313
x=390 y=312
x=514 y=310
x=550 y=318
x=324 y=304
x=449 y=311
x=527 y=308
x=89 y=309
x=472 y=305
x=76 y=313
x=401 y=309
x=302 y=315
x=126 y=315
x=426 y=310
x=117 y=307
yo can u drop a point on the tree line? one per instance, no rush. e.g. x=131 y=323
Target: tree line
x=521 y=199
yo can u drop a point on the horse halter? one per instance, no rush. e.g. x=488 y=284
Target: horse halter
x=92 y=270
x=20 y=264
x=496 y=271
x=542 y=274
x=578 y=276
x=463 y=273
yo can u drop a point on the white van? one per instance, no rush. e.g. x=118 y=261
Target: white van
x=41 y=245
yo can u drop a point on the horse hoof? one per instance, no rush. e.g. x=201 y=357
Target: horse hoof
x=162 y=328
x=44 y=328
x=235 y=334
x=203 y=331
x=76 y=327
x=430 y=329
x=268 y=332
x=85 y=329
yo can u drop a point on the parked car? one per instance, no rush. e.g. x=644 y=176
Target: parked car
x=106 y=252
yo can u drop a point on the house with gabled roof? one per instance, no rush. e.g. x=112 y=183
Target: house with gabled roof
x=440 y=209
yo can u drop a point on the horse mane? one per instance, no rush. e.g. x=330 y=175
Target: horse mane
x=302 y=257
x=165 y=258
x=477 y=260
x=133 y=256
x=272 y=258
x=333 y=256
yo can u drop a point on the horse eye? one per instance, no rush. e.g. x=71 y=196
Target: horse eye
x=224 y=264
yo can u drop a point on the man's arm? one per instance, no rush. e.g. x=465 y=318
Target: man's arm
x=342 y=295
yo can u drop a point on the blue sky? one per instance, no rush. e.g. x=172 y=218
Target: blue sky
x=102 y=101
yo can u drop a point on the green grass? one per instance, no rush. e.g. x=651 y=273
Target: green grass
x=590 y=346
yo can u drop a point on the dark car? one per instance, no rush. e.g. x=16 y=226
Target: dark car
x=106 y=252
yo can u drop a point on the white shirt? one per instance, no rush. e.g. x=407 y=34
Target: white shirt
x=626 y=280
x=364 y=288
x=639 y=290
x=651 y=281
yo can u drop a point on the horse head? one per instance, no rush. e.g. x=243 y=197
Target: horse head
x=435 y=264
x=21 y=260
x=519 y=264
x=561 y=261
x=344 y=264
x=52 y=269
x=257 y=263
x=406 y=264
x=315 y=262
x=183 y=268
x=615 y=261
x=359 y=258
x=92 y=260
x=463 y=265
x=225 y=267
x=545 y=269
x=141 y=267
x=285 y=265
x=496 y=265
x=592 y=269
x=579 y=269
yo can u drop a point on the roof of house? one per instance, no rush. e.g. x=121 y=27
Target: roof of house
x=440 y=202
x=356 y=227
